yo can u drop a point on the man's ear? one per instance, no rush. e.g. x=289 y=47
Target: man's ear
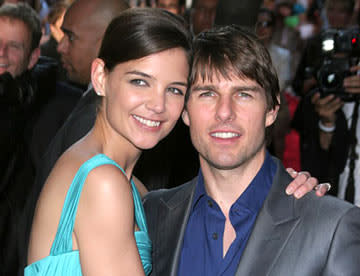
x=185 y=117
x=34 y=57
x=98 y=75
x=272 y=113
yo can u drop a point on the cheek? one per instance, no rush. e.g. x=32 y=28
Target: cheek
x=175 y=107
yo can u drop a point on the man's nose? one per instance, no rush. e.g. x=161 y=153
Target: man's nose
x=225 y=110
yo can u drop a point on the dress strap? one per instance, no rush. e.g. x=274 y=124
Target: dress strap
x=138 y=209
x=63 y=239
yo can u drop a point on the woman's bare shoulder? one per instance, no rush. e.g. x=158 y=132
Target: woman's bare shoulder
x=68 y=164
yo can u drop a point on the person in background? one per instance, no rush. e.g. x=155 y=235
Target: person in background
x=202 y=15
x=173 y=6
x=325 y=120
x=281 y=59
x=55 y=19
x=21 y=99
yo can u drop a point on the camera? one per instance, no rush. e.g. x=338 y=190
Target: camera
x=340 y=50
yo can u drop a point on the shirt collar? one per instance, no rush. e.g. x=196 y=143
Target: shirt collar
x=254 y=195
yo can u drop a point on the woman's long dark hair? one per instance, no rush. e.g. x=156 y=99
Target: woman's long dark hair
x=140 y=32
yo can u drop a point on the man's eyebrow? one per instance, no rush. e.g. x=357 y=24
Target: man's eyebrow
x=203 y=87
x=253 y=88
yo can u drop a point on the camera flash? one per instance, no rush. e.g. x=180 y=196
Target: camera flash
x=328 y=45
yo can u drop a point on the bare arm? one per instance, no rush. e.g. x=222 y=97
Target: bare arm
x=104 y=225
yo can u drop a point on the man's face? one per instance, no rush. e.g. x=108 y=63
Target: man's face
x=203 y=15
x=227 y=120
x=264 y=27
x=338 y=16
x=79 y=46
x=15 y=40
x=172 y=6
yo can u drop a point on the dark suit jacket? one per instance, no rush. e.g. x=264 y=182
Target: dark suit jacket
x=309 y=236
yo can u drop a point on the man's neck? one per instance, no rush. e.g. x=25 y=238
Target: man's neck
x=226 y=186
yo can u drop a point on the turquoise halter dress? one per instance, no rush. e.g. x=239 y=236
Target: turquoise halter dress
x=65 y=261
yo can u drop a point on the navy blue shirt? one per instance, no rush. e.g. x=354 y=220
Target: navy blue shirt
x=202 y=252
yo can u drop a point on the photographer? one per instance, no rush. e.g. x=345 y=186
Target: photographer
x=328 y=81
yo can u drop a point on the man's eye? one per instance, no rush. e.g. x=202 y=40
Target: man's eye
x=15 y=46
x=244 y=95
x=176 y=91
x=206 y=94
x=138 y=82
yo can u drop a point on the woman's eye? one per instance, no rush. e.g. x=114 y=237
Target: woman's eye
x=176 y=91
x=138 y=82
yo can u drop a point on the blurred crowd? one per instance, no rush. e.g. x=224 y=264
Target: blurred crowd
x=45 y=62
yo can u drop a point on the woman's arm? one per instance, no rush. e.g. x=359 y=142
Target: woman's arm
x=104 y=226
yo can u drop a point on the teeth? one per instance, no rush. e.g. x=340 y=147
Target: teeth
x=224 y=135
x=3 y=65
x=148 y=123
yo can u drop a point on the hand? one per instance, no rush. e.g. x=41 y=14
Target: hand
x=326 y=107
x=304 y=183
x=352 y=83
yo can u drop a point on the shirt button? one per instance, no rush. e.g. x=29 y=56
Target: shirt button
x=215 y=236
x=210 y=203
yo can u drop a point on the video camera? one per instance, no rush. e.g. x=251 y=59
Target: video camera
x=340 y=51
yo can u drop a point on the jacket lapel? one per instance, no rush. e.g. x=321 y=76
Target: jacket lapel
x=173 y=215
x=273 y=228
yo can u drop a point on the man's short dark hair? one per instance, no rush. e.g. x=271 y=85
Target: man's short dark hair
x=233 y=50
x=26 y=14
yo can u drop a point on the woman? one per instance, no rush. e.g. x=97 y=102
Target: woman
x=89 y=208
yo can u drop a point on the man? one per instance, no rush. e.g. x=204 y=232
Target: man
x=324 y=120
x=84 y=25
x=19 y=48
x=202 y=15
x=21 y=100
x=173 y=6
x=234 y=218
x=242 y=13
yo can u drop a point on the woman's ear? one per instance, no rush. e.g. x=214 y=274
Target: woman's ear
x=98 y=76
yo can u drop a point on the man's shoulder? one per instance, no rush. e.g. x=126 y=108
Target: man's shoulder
x=310 y=207
x=166 y=195
x=327 y=208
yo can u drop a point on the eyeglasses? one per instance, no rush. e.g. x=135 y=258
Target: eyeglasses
x=264 y=24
